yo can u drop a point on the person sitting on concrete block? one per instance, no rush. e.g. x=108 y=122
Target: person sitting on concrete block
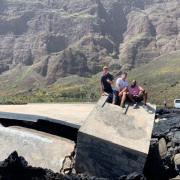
x=136 y=93
x=121 y=90
x=107 y=83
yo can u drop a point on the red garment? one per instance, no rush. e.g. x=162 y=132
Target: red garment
x=135 y=90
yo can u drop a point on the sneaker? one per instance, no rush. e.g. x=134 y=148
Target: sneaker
x=135 y=105
x=145 y=107
x=123 y=106
x=126 y=105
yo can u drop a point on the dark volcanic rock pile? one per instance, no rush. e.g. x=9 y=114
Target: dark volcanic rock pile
x=16 y=168
x=164 y=157
x=163 y=160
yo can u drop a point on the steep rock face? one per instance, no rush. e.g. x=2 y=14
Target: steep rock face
x=66 y=63
x=151 y=32
x=58 y=38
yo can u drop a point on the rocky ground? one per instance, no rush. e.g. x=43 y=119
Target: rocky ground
x=16 y=168
x=163 y=161
x=166 y=139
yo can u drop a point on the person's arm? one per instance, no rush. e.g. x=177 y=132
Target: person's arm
x=141 y=90
x=110 y=80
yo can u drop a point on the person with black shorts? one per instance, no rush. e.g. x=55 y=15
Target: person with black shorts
x=137 y=93
x=107 y=83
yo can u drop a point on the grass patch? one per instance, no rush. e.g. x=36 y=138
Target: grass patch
x=161 y=78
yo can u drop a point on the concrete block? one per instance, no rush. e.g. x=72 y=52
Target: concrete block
x=112 y=143
x=38 y=148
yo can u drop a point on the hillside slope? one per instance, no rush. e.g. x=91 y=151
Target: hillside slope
x=43 y=43
x=161 y=77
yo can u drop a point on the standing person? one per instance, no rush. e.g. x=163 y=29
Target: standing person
x=107 y=83
x=121 y=90
x=137 y=93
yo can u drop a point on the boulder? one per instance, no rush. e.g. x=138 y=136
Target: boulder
x=162 y=147
x=177 y=162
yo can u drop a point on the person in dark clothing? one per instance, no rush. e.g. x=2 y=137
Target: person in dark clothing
x=106 y=84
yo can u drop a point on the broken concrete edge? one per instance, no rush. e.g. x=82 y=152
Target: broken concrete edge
x=105 y=158
x=33 y=133
x=109 y=142
x=103 y=100
x=151 y=107
x=97 y=152
x=35 y=119
x=101 y=103
x=40 y=149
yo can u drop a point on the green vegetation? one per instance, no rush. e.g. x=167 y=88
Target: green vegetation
x=161 y=78
x=87 y=90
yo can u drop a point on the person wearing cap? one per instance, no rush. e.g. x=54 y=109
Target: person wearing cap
x=107 y=83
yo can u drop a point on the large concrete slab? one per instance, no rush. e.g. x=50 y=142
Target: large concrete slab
x=113 y=142
x=39 y=149
x=74 y=114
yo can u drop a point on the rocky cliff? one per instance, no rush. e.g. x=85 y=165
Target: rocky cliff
x=42 y=41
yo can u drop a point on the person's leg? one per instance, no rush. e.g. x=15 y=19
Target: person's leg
x=130 y=97
x=115 y=98
x=123 y=99
x=139 y=98
x=110 y=98
x=145 y=97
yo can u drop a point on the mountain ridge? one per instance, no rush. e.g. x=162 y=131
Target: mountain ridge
x=42 y=42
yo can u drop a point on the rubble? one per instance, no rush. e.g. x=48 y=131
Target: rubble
x=16 y=168
x=163 y=161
